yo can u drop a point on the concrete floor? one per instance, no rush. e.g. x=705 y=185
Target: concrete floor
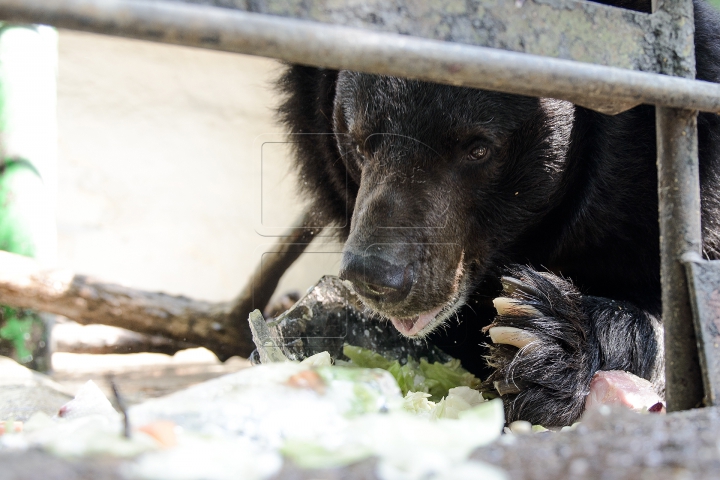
x=159 y=168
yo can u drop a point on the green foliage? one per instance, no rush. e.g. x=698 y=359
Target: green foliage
x=18 y=225
x=17 y=331
x=19 y=215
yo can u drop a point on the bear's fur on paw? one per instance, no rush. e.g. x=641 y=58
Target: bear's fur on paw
x=544 y=351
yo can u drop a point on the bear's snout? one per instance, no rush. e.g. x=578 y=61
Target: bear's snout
x=376 y=278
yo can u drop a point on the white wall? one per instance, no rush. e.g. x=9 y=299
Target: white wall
x=158 y=174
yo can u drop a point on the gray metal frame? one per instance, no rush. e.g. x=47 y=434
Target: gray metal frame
x=605 y=58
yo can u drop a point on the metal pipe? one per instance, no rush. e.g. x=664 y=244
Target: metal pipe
x=679 y=199
x=679 y=213
x=606 y=89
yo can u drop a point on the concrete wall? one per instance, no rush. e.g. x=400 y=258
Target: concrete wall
x=159 y=167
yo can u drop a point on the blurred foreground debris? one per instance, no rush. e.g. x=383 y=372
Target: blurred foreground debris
x=609 y=443
x=24 y=392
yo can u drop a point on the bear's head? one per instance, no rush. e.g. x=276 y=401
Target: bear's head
x=447 y=179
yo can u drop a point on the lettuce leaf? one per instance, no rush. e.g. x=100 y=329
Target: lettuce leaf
x=416 y=376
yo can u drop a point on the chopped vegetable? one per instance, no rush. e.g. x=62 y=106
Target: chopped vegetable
x=240 y=426
x=88 y=400
x=406 y=446
x=163 y=431
x=315 y=455
x=418 y=403
x=10 y=426
x=321 y=359
x=458 y=400
x=434 y=378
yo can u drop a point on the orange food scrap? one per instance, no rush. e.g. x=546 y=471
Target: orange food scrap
x=163 y=431
x=307 y=379
x=10 y=426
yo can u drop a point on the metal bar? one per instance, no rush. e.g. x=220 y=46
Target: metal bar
x=569 y=29
x=679 y=212
x=606 y=89
x=679 y=198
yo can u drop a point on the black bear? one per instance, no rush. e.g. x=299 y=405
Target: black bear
x=450 y=197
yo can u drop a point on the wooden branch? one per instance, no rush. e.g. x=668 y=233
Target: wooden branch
x=25 y=284
x=220 y=327
x=72 y=337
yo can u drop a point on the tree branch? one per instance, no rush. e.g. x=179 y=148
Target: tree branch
x=221 y=327
x=72 y=337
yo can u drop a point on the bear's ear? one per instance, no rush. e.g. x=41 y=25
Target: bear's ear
x=307 y=113
x=309 y=94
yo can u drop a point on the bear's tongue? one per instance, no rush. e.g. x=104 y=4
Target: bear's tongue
x=412 y=326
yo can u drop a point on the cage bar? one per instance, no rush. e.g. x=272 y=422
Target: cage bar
x=605 y=89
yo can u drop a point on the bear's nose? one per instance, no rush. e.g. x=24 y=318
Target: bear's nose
x=376 y=278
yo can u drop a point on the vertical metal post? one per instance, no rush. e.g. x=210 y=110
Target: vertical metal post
x=679 y=213
x=679 y=195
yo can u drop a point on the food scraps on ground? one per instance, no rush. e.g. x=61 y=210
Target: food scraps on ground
x=246 y=424
x=615 y=387
x=418 y=419
x=10 y=426
x=416 y=376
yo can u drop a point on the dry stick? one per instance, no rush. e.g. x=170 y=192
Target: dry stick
x=120 y=402
x=221 y=327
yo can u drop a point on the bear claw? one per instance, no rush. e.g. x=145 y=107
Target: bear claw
x=510 y=306
x=503 y=387
x=513 y=285
x=511 y=336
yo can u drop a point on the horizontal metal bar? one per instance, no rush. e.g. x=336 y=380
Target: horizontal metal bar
x=570 y=29
x=606 y=89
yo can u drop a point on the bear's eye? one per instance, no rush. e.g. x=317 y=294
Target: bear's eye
x=477 y=153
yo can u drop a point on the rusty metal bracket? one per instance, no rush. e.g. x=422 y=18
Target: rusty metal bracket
x=704 y=281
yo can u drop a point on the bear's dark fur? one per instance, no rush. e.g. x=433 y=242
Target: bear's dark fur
x=441 y=190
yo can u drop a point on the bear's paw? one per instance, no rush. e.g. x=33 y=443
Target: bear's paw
x=542 y=350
